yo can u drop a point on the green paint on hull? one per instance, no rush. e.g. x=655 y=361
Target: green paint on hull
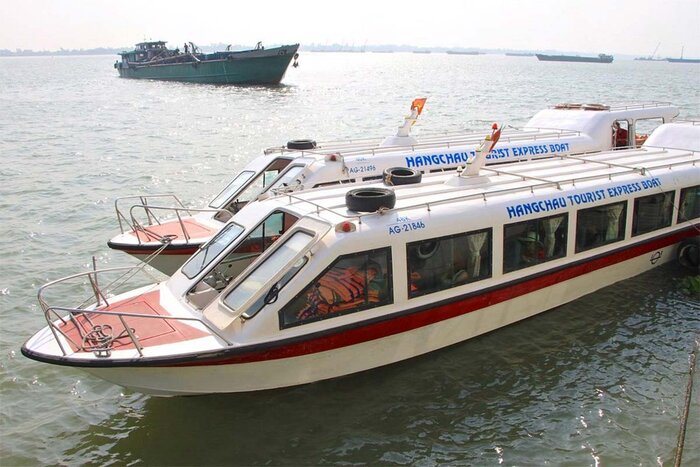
x=266 y=69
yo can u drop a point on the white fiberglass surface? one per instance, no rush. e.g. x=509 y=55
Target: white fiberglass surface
x=235 y=185
x=276 y=262
x=288 y=177
x=211 y=250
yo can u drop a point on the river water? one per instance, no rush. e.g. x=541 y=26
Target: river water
x=600 y=381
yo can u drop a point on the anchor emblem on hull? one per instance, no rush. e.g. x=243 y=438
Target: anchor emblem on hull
x=655 y=257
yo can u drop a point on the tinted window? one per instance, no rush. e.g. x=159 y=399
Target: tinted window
x=211 y=250
x=352 y=283
x=441 y=263
x=652 y=213
x=600 y=225
x=533 y=242
x=689 y=207
x=232 y=188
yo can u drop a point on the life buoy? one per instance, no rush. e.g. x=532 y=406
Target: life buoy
x=370 y=199
x=402 y=176
x=689 y=255
x=427 y=249
x=301 y=144
x=595 y=107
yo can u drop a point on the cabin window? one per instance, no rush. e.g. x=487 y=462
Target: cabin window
x=235 y=185
x=289 y=178
x=240 y=257
x=652 y=213
x=442 y=263
x=644 y=127
x=600 y=225
x=689 y=207
x=211 y=250
x=241 y=197
x=261 y=275
x=620 y=134
x=533 y=242
x=352 y=283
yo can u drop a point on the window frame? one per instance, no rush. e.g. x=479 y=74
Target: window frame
x=623 y=220
x=681 y=198
x=451 y=237
x=538 y=220
x=369 y=254
x=635 y=215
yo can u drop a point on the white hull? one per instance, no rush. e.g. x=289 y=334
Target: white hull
x=270 y=374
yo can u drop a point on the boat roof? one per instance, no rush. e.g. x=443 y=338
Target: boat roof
x=561 y=120
x=151 y=43
x=505 y=182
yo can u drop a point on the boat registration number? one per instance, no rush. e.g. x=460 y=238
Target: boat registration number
x=361 y=169
x=407 y=226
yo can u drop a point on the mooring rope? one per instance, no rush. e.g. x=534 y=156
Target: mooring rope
x=686 y=408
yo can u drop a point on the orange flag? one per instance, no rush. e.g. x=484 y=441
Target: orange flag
x=418 y=104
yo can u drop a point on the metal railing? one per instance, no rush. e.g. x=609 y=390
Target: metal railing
x=152 y=218
x=95 y=336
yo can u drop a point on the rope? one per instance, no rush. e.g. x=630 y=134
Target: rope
x=686 y=408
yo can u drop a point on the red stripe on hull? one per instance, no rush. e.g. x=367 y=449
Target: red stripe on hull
x=389 y=326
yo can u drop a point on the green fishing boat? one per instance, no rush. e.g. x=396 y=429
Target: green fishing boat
x=153 y=60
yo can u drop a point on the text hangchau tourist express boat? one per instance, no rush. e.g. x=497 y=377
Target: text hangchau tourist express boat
x=162 y=224
x=360 y=276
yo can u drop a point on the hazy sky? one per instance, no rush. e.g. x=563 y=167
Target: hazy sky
x=588 y=26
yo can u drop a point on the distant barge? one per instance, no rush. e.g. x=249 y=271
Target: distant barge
x=601 y=58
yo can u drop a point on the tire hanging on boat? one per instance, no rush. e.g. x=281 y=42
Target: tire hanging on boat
x=401 y=176
x=370 y=199
x=301 y=144
x=689 y=255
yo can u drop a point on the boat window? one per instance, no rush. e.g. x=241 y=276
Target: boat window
x=233 y=199
x=689 y=207
x=533 y=242
x=644 y=127
x=278 y=260
x=248 y=249
x=442 y=263
x=211 y=250
x=652 y=213
x=235 y=185
x=600 y=225
x=354 y=282
x=288 y=178
x=620 y=134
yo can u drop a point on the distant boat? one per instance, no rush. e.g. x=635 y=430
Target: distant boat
x=652 y=57
x=153 y=60
x=421 y=51
x=463 y=52
x=683 y=60
x=601 y=58
x=520 y=54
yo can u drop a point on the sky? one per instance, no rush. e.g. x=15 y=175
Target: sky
x=633 y=27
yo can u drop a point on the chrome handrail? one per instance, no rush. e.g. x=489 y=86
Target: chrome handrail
x=88 y=308
x=137 y=227
x=144 y=201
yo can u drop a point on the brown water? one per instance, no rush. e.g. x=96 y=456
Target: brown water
x=599 y=381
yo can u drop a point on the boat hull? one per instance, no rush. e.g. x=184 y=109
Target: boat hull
x=573 y=58
x=255 y=67
x=382 y=340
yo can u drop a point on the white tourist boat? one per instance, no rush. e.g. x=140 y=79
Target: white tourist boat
x=153 y=225
x=356 y=277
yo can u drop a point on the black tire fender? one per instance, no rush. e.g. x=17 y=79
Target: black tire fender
x=402 y=176
x=301 y=144
x=689 y=254
x=370 y=199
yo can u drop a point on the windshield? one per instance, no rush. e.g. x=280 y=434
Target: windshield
x=288 y=178
x=275 y=263
x=211 y=250
x=232 y=188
